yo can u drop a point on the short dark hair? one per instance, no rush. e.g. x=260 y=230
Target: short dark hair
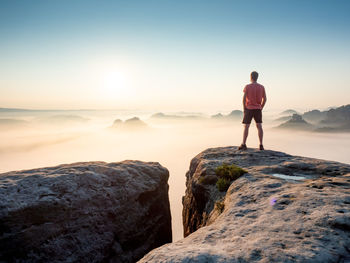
x=254 y=75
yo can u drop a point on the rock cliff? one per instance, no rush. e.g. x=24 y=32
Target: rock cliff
x=284 y=209
x=84 y=212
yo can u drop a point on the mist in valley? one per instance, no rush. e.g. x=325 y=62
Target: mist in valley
x=40 y=139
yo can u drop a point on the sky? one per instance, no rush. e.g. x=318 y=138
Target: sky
x=192 y=55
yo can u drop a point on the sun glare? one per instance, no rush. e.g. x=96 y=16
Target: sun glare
x=114 y=83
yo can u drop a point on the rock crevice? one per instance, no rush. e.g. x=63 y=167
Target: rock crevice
x=84 y=212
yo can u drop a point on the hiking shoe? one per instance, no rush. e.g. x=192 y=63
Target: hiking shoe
x=242 y=147
x=261 y=147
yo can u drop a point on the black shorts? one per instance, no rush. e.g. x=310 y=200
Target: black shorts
x=250 y=114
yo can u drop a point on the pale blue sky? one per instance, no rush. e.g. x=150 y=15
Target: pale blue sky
x=173 y=55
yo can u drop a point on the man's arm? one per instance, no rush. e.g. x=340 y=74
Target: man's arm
x=264 y=100
x=244 y=100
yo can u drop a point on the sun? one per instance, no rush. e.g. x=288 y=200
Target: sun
x=114 y=83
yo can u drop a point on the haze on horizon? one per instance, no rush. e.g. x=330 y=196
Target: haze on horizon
x=43 y=139
x=172 y=55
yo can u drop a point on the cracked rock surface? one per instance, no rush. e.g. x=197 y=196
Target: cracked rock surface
x=84 y=212
x=263 y=218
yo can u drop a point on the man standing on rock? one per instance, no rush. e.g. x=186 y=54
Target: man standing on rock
x=254 y=100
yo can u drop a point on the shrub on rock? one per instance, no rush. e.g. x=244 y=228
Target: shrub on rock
x=227 y=174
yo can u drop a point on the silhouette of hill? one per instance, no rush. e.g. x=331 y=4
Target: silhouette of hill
x=339 y=115
x=130 y=124
x=283 y=118
x=217 y=116
x=332 y=120
x=296 y=123
x=233 y=115
x=336 y=120
x=315 y=115
x=289 y=112
x=135 y=122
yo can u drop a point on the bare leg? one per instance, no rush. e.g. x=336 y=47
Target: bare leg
x=245 y=133
x=260 y=132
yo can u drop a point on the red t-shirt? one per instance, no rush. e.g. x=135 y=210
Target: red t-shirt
x=255 y=93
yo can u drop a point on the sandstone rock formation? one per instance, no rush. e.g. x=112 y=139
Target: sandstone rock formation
x=283 y=118
x=340 y=115
x=132 y=124
x=261 y=217
x=296 y=122
x=314 y=116
x=336 y=120
x=332 y=120
x=84 y=212
x=233 y=115
x=217 y=116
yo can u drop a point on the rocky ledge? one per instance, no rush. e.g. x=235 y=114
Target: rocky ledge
x=84 y=212
x=284 y=209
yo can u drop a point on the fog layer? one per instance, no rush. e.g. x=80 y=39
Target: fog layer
x=38 y=140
